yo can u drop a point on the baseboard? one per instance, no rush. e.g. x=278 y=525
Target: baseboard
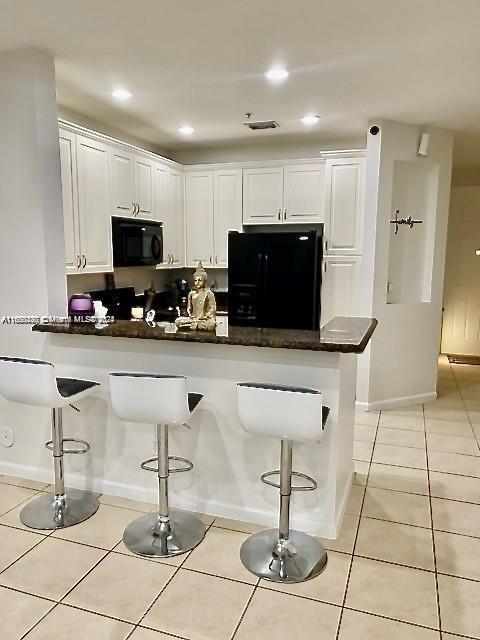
x=311 y=525
x=393 y=403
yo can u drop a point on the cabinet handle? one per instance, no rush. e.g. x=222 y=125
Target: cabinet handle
x=78 y=261
x=216 y=259
x=138 y=209
x=326 y=246
x=211 y=261
x=279 y=214
x=284 y=214
x=84 y=261
x=171 y=258
x=325 y=267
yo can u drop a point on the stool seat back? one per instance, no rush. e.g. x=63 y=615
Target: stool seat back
x=29 y=382
x=148 y=397
x=280 y=411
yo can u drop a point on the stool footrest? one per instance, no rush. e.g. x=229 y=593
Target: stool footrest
x=147 y=466
x=305 y=487
x=84 y=446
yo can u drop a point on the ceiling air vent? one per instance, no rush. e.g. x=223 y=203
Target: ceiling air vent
x=262 y=124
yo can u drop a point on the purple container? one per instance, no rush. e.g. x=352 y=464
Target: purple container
x=80 y=306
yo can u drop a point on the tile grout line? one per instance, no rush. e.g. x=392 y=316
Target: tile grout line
x=437 y=593
x=337 y=635
x=464 y=406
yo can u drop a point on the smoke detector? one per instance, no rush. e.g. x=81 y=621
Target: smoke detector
x=261 y=124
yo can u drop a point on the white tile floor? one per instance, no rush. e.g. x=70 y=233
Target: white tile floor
x=405 y=566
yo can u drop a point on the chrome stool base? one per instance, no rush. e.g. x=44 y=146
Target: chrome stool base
x=48 y=513
x=297 y=559
x=145 y=537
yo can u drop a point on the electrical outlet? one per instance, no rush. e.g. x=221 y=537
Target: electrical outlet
x=7 y=437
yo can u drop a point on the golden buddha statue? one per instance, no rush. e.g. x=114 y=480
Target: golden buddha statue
x=201 y=306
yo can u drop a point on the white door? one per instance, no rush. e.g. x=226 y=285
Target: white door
x=263 y=195
x=344 y=206
x=144 y=187
x=94 y=205
x=123 y=183
x=461 y=298
x=175 y=185
x=227 y=211
x=340 y=287
x=69 y=198
x=199 y=217
x=304 y=193
x=161 y=209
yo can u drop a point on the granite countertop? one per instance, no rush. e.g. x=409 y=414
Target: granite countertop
x=345 y=335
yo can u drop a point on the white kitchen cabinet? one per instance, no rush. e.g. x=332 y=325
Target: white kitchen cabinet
x=169 y=210
x=292 y=193
x=227 y=211
x=344 y=206
x=68 y=169
x=213 y=207
x=340 y=287
x=132 y=184
x=304 y=193
x=199 y=218
x=94 y=205
x=263 y=195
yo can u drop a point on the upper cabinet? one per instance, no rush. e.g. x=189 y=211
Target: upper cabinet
x=227 y=211
x=132 y=184
x=292 y=193
x=168 y=208
x=344 y=206
x=199 y=217
x=213 y=207
x=68 y=169
x=94 y=205
x=304 y=192
x=263 y=195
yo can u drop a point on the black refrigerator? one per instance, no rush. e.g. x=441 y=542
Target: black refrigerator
x=275 y=279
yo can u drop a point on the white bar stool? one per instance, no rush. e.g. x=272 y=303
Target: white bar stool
x=291 y=414
x=33 y=382
x=162 y=400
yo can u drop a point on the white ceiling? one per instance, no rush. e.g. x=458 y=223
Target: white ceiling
x=202 y=62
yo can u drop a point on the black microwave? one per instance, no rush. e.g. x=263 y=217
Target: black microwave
x=136 y=243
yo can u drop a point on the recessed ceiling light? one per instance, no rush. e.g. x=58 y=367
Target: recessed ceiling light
x=185 y=130
x=477 y=252
x=277 y=74
x=310 y=119
x=121 y=94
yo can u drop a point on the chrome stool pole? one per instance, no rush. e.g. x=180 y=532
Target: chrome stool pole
x=63 y=508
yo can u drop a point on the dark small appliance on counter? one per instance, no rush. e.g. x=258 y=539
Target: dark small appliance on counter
x=275 y=279
x=80 y=306
x=119 y=302
x=136 y=243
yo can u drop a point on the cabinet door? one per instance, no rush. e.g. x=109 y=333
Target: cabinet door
x=227 y=211
x=340 y=287
x=304 y=193
x=94 y=205
x=161 y=209
x=263 y=195
x=199 y=217
x=69 y=200
x=123 y=183
x=344 y=206
x=175 y=185
x=144 y=187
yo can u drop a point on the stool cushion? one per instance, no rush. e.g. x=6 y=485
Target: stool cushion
x=193 y=400
x=68 y=387
x=281 y=411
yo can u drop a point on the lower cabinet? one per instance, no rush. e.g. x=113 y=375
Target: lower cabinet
x=340 y=287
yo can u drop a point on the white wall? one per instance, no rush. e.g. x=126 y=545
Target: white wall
x=401 y=364
x=256 y=150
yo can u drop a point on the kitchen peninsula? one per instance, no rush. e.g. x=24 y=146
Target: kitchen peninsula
x=227 y=462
